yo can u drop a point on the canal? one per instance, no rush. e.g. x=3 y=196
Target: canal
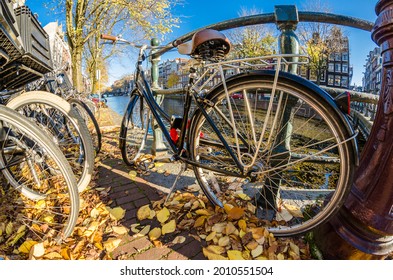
x=173 y=106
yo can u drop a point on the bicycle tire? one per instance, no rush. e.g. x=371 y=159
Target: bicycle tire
x=292 y=193
x=134 y=129
x=72 y=136
x=90 y=120
x=44 y=191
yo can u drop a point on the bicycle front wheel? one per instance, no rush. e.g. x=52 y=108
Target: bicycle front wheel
x=134 y=129
x=39 y=196
x=283 y=146
x=64 y=125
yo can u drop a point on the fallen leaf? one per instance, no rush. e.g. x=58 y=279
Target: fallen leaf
x=257 y=251
x=212 y=256
x=38 y=250
x=244 y=196
x=143 y=232
x=223 y=241
x=155 y=233
x=53 y=256
x=236 y=213
x=200 y=221
x=235 y=255
x=116 y=213
x=163 y=215
x=216 y=249
x=26 y=246
x=230 y=229
x=169 y=227
x=179 y=240
x=242 y=225
x=219 y=227
x=143 y=213
x=119 y=230
x=294 y=210
x=111 y=244
x=211 y=236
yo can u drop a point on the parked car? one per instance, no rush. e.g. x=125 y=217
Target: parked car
x=237 y=95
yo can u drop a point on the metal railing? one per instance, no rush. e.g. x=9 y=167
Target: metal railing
x=286 y=18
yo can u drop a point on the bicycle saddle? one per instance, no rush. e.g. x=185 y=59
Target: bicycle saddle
x=206 y=44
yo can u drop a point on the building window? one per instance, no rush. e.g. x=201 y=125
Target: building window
x=345 y=56
x=337 y=57
x=337 y=67
x=345 y=68
x=313 y=75
x=337 y=81
x=344 y=81
x=330 y=80
x=331 y=67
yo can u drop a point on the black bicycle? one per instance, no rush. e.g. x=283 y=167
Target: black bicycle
x=277 y=141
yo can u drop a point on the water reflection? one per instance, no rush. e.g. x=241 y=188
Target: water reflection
x=172 y=105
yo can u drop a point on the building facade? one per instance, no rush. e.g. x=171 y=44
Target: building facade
x=173 y=73
x=372 y=72
x=336 y=71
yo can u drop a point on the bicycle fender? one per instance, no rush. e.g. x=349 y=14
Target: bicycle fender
x=301 y=83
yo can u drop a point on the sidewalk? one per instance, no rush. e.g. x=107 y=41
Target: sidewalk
x=131 y=194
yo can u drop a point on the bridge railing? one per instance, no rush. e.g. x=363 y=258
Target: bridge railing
x=363 y=105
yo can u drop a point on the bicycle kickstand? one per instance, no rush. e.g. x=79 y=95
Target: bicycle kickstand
x=183 y=168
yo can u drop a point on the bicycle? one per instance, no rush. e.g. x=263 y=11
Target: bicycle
x=39 y=196
x=285 y=148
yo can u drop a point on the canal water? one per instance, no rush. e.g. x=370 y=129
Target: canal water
x=173 y=106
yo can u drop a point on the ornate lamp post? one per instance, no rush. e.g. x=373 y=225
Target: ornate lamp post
x=363 y=229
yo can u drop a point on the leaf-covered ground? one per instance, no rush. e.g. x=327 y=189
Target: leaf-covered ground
x=232 y=232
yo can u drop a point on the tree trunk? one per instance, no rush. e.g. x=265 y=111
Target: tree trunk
x=77 y=69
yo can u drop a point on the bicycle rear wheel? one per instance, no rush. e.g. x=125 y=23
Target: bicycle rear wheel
x=90 y=121
x=65 y=126
x=295 y=160
x=39 y=196
x=134 y=129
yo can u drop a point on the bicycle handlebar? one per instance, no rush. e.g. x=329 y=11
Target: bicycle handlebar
x=109 y=37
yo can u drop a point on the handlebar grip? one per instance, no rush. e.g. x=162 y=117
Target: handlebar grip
x=109 y=37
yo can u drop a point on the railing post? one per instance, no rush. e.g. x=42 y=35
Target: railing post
x=363 y=228
x=286 y=20
x=158 y=143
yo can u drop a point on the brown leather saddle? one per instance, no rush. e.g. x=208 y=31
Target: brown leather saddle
x=207 y=41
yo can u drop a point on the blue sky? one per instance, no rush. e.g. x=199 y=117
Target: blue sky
x=198 y=13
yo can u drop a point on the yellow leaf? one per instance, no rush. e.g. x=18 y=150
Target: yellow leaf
x=111 y=244
x=132 y=174
x=223 y=241
x=252 y=245
x=163 y=215
x=230 y=229
x=244 y=196
x=210 y=236
x=99 y=245
x=94 y=213
x=219 y=227
x=143 y=232
x=228 y=207
x=143 y=213
x=38 y=250
x=9 y=228
x=294 y=210
x=169 y=227
x=155 y=233
x=203 y=212
x=200 y=221
x=257 y=251
x=242 y=225
x=179 y=240
x=212 y=256
x=26 y=246
x=119 y=230
x=294 y=248
x=216 y=249
x=257 y=233
x=235 y=255
x=235 y=213
x=65 y=253
x=116 y=213
x=53 y=256
x=152 y=214
x=134 y=228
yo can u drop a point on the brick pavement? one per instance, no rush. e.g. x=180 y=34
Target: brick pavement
x=131 y=194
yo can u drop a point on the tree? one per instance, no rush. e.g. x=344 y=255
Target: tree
x=173 y=80
x=87 y=19
x=252 y=41
x=321 y=40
